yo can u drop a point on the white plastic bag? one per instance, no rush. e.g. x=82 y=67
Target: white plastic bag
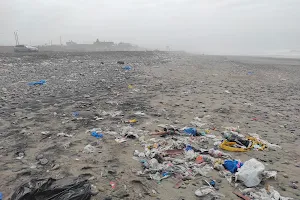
x=250 y=173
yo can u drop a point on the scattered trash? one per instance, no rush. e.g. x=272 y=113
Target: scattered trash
x=89 y=149
x=250 y=173
x=241 y=195
x=64 y=135
x=113 y=184
x=20 y=155
x=41 y=82
x=267 y=194
x=45 y=132
x=250 y=73
x=197 y=122
x=293 y=184
x=227 y=91
x=75 y=114
x=96 y=135
x=191 y=131
x=236 y=142
x=139 y=113
x=212 y=183
x=269 y=174
x=205 y=191
x=130 y=86
x=121 y=62
x=52 y=189
x=232 y=165
x=127 y=68
x=132 y=121
x=66 y=145
x=218 y=154
x=120 y=140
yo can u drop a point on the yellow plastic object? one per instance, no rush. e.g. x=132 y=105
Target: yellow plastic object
x=130 y=86
x=256 y=142
x=207 y=131
x=228 y=147
x=132 y=121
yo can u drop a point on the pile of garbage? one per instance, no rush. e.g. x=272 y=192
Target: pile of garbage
x=184 y=154
x=236 y=142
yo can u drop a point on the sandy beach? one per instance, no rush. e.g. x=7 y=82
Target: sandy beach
x=44 y=129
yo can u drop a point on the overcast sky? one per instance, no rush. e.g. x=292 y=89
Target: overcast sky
x=208 y=26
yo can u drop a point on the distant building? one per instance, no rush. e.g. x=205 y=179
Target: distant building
x=103 y=45
x=70 y=43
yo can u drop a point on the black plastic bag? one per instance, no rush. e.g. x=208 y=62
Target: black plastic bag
x=51 y=189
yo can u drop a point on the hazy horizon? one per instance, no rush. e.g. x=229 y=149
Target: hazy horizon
x=202 y=26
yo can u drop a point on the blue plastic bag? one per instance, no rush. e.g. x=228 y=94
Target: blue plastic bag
x=191 y=131
x=97 y=135
x=188 y=147
x=164 y=174
x=41 y=82
x=75 y=114
x=127 y=68
x=232 y=165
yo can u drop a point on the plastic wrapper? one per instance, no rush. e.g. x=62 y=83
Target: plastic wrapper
x=251 y=172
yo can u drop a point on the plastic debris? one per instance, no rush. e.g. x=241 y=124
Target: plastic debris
x=188 y=148
x=120 y=140
x=218 y=153
x=96 y=135
x=89 y=149
x=121 y=62
x=139 y=113
x=205 y=191
x=75 y=114
x=241 y=195
x=51 y=189
x=191 y=131
x=232 y=165
x=197 y=122
x=293 y=184
x=113 y=184
x=127 y=68
x=268 y=145
x=269 y=174
x=266 y=194
x=41 y=82
x=250 y=173
x=212 y=183
x=64 y=135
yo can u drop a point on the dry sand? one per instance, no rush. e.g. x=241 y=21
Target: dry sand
x=170 y=88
